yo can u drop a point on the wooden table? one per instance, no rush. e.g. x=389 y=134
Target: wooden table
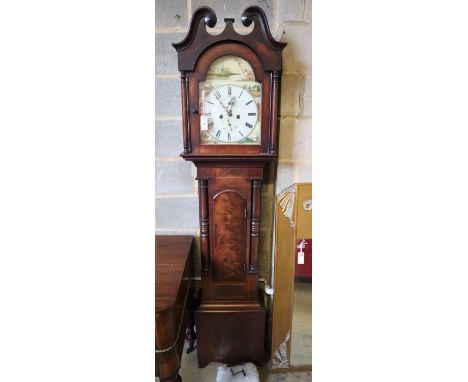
x=174 y=303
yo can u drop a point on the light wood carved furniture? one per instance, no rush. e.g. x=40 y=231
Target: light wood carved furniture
x=174 y=304
x=293 y=222
x=230 y=87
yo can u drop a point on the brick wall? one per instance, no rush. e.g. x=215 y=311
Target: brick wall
x=176 y=188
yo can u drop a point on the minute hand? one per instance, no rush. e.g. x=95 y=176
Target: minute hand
x=224 y=107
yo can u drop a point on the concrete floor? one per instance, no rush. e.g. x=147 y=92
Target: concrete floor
x=191 y=373
x=301 y=331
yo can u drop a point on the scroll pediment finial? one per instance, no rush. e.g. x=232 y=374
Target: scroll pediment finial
x=201 y=14
x=209 y=15
x=257 y=15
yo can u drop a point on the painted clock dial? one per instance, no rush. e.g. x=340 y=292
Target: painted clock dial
x=230 y=101
x=230 y=113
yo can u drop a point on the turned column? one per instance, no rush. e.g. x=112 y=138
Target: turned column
x=274 y=113
x=255 y=224
x=204 y=224
x=185 y=119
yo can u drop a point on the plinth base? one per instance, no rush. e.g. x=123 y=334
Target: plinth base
x=230 y=334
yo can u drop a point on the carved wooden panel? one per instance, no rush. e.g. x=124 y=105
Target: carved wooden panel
x=230 y=226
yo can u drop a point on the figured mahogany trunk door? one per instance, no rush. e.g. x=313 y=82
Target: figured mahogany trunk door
x=230 y=209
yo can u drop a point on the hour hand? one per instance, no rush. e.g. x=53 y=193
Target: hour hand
x=228 y=111
x=224 y=107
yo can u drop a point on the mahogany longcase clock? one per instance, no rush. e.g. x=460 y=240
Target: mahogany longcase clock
x=230 y=100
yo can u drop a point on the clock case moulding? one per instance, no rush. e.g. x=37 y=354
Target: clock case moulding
x=230 y=319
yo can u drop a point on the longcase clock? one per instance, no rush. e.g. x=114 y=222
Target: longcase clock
x=230 y=98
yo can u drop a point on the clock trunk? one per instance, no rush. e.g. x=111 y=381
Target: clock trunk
x=231 y=318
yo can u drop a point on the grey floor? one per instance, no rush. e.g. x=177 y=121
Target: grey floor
x=191 y=373
x=301 y=333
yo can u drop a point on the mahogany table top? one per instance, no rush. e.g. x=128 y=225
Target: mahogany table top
x=171 y=255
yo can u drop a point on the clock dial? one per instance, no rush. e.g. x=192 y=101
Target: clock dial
x=230 y=113
x=230 y=101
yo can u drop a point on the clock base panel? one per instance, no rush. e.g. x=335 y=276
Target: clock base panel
x=230 y=336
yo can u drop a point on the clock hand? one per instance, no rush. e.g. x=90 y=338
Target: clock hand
x=232 y=103
x=224 y=107
x=228 y=120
